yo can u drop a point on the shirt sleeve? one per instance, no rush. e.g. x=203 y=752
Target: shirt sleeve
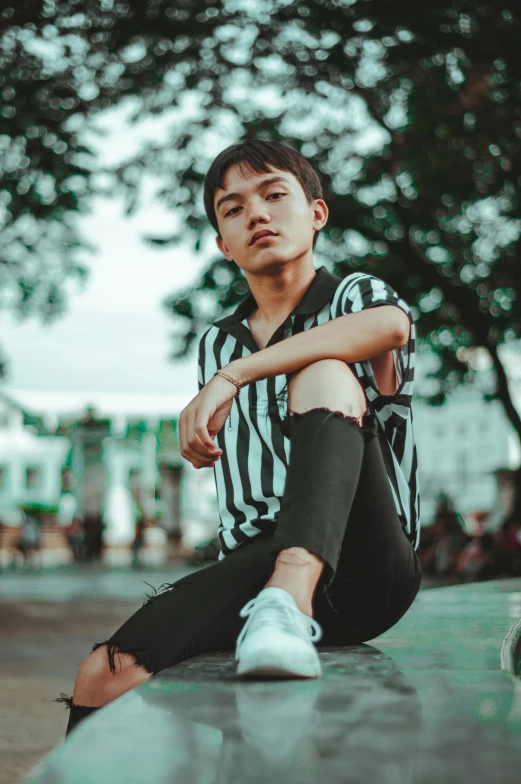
x=362 y=291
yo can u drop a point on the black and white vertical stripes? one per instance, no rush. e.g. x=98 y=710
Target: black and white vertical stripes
x=251 y=472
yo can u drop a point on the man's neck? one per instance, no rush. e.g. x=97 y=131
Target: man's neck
x=277 y=294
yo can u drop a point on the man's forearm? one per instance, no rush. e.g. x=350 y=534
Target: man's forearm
x=351 y=338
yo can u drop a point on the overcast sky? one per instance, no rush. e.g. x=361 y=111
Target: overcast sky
x=115 y=336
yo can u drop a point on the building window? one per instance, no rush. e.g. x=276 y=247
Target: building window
x=32 y=478
x=3 y=477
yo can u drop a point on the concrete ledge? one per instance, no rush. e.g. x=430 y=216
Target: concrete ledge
x=428 y=701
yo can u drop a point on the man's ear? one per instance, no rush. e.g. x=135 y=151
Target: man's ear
x=320 y=214
x=222 y=247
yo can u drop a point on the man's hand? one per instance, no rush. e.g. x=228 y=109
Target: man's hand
x=202 y=419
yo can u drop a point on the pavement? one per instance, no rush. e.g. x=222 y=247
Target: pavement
x=87 y=581
x=436 y=698
x=49 y=621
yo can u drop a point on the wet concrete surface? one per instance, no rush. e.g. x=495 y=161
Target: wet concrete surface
x=48 y=624
x=86 y=582
x=42 y=644
x=425 y=702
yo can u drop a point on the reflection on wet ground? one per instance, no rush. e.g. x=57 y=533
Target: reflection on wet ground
x=426 y=702
x=199 y=723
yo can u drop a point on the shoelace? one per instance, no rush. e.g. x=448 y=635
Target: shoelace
x=277 y=612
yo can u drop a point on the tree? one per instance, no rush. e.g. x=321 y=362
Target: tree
x=409 y=114
x=44 y=176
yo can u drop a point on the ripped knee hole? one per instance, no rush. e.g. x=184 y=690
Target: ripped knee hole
x=113 y=649
x=349 y=415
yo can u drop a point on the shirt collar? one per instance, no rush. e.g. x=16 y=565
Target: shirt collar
x=319 y=291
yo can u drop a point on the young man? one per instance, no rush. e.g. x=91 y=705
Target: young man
x=304 y=414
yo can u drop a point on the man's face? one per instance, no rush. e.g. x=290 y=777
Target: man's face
x=273 y=202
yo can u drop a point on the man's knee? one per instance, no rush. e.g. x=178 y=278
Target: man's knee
x=95 y=669
x=327 y=383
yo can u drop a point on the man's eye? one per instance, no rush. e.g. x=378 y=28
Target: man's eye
x=232 y=211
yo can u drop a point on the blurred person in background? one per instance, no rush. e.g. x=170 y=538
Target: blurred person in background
x=139 y=538
x=446 y=541
x=478 y=559
x=93 y=537
x=71 y=524
x=205 y=552
x=508 y=547
x=29 y=540
x=75 y=537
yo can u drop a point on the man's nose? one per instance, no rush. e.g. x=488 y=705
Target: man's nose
x=258 y=213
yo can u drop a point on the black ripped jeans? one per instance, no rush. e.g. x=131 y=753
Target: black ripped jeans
x=337 y=503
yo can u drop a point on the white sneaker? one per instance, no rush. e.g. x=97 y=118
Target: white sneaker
x=277 y=639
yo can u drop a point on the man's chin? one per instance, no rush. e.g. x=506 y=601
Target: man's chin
x=269 y=263
x=269 y=260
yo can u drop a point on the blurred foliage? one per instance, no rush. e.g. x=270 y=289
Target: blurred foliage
x=411 y=114
x=41 y=512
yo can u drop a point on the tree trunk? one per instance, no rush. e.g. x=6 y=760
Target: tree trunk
x=463 y=298
x=503 y=392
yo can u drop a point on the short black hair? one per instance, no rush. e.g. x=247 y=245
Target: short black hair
x=259 y=156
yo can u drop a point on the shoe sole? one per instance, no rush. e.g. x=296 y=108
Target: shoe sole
x=275 y=673
x=261 y=667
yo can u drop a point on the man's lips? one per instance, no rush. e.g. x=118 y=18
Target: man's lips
x=262 y=236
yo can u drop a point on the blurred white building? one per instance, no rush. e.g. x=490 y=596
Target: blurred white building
x=30 y=464
x=139 y=458
x=460 y=446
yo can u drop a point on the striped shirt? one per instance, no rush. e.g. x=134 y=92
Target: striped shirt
x=251 y=472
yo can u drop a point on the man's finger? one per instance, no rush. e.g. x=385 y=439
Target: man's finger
x=206 y=465
x=201 y=430
x=192 y=440
x=200 y=462
x=192 y=448
x=194 y=455
x=203 y=451
x=195 y=450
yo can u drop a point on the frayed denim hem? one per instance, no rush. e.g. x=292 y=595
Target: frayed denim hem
x=368 y=428
x=65 y=700
x=113 y=648
x=157 y=591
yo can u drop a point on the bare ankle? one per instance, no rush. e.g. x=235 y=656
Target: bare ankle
x=297 y=571
x=297 y=556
